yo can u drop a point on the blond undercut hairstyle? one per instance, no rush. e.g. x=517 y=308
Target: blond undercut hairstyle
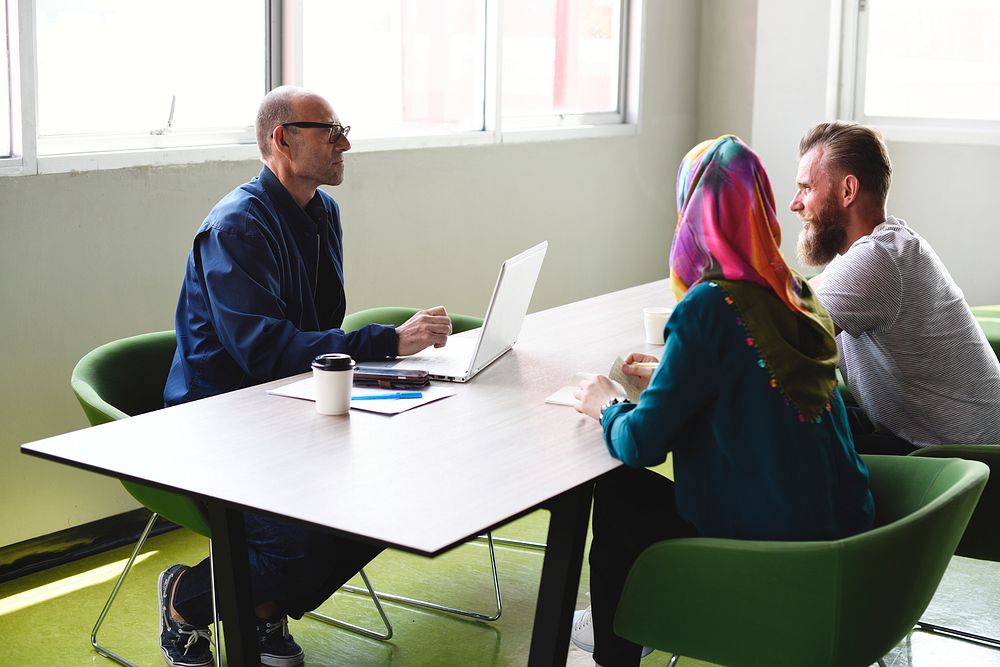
x=852 y=148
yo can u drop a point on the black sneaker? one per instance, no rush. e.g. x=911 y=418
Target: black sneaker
x=277 y=647
x=183 y=645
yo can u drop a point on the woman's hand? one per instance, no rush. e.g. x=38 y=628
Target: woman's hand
x=593 y=394
x=643 y=373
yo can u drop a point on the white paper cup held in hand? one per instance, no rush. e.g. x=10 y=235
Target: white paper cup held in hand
x=655 y=318
x=334 y=377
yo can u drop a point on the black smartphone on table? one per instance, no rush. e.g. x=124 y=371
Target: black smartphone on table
x=389 y=378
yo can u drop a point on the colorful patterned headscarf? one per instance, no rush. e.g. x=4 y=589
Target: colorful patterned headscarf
x=726 y=224
x=728 y=233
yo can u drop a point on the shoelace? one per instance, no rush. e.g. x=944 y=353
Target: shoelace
x=194 y=634
x=271 y=627
x=585 y=619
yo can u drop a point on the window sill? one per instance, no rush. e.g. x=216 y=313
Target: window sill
x=157 y=157
x=12 y=166
x=984 y=134
x=152 y=157
x=569 y=132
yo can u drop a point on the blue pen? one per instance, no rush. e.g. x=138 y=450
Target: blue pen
x=398 y=394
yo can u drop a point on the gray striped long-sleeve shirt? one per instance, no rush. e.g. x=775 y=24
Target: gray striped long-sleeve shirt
x=911 y=350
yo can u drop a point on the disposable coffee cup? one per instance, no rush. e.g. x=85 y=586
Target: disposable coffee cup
x=655 y=318
x=334 y=377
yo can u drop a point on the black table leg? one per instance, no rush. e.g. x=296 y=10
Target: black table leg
x=560 y=576
x=231 y=569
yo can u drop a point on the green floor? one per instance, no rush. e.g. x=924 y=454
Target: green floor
x=45 y=618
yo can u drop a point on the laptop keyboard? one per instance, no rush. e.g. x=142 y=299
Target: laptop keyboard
x=452 y=359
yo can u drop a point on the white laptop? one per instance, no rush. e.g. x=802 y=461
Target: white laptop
x=465 y=355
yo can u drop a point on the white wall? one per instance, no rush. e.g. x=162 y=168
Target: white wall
x=790 y=93
x=948 y=193
x=87 y=258
x=726 y=68
x=945 y=191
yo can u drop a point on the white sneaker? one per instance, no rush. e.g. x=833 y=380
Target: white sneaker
x=582 y=635
x=583 y=630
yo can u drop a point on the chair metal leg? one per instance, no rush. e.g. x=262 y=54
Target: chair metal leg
x=512 y=542
x=216 y=637
x=881 y=662
x=369 y=590
x=673 y=660
x=450 y=610
x=329 y=620
x=103 y=650
x=961 y=634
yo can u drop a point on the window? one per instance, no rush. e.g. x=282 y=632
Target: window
x=923 y=62
x=394 y=68
x=118 y=83
x=5 y=98
x=116 y=74
x=426 y=66
x=561 y=58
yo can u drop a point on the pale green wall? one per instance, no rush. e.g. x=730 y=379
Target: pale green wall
x=90 y=257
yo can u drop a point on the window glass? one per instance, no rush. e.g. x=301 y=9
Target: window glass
x=932 y=59
x=5 y=99
x=121 y=66
x=391 y=68
x=560 y=57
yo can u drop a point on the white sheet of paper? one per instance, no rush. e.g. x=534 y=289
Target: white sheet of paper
x=305 y=390
x=565 y=396
x=627 y=382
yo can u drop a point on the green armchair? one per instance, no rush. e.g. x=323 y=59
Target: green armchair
x=396 y=315
x=842 y=602
x=125 y=378
x=982 y=536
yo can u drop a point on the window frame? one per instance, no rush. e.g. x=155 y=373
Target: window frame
x=240 y=144
x=20 y=158
x=853 y=45
x=7 y=71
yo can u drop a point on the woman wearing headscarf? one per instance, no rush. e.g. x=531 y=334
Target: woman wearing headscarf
x=745 y=397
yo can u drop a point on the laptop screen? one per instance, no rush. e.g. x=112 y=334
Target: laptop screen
x=511 y=297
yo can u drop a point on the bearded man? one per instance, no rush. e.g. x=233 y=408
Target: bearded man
x=911 y=351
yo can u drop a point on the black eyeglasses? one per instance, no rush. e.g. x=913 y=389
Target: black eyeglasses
x=336 y=129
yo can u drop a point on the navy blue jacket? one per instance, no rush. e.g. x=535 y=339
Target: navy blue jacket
x=263 y=294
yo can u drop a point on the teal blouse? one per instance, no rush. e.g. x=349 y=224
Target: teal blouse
x=746 y=464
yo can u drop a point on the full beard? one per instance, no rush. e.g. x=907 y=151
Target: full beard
x=822 y=239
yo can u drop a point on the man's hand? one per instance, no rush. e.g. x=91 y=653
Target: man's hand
x=642 y=374
x=425 y=328
x=593 y=394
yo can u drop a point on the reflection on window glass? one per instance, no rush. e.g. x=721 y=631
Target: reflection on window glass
x=932 y=59
x=5 y=101
x=118 y=66
x=560 y=56
x=391 y=67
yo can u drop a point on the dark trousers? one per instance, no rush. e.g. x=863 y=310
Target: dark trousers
x=868 y=439
x=633 y=508
x=296 y=567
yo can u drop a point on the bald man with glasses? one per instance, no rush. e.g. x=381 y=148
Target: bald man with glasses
x=263 y=294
